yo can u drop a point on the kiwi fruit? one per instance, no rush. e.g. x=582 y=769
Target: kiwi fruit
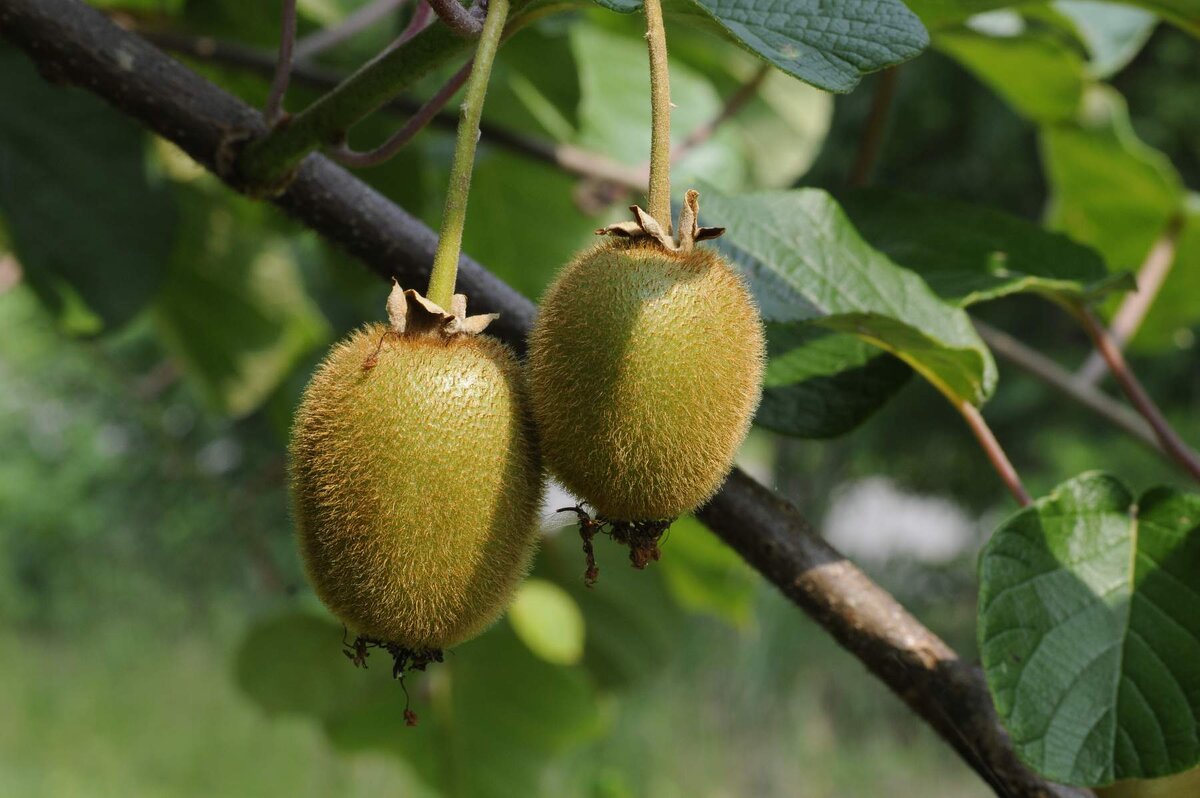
x=415 y=477
x=645 y=369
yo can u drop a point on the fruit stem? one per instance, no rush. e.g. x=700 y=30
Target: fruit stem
x=659 y=198
x=445 y=262
x=995 y=452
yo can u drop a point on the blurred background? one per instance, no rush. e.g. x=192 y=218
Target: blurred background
x=157 y=637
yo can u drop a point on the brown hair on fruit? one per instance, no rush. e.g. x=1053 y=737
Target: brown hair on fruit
x=645 y=368
x=415 y=477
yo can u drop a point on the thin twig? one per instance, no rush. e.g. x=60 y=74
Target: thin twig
x=1043 y=368
x=1129 y=316
x=74 y=43
x=1111 y=352
x=283 y=68
x=362 y=19
x=466 y=22
x=346 y=156
x=995 y=452
x=872 y=136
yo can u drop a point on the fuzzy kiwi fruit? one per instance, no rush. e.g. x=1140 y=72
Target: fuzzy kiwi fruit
x=415 y=477
x=645 y=368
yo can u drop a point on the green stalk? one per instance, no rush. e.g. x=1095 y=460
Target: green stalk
x=659 y=197
x=445 y=262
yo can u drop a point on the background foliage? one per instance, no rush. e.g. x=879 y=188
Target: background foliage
x=158 y=330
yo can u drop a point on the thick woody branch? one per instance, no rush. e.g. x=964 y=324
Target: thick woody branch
x=72 y=43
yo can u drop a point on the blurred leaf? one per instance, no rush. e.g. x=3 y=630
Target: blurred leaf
x=972 y=253
x=705 y=575
x=821 y=384
x=293 y=664
x=1110 y=190
x=91 y=228
x=234 y=308
x=632 y=622
x=513 y=714
x=548 y=621
x=507 y=192
x=942 y=13
x=828 y=45
x=1113 y=33
x=937 y=14
x=783 y=129
x=614 y=114
x=1039 y=74
x=492 y=715
x=1183 y=784
x=1089 y=629
x=535 y=85
x=806 y=263
x=1177 y=306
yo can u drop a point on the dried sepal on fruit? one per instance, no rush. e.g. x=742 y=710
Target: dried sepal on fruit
x=645 y=369
x=416 y=480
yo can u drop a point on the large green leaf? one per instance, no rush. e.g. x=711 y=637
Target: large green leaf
x=806 y=263
x=972 y=253
x=821 y=384
x=830 y=45
x=264 y=323
x=92 y=229
x=1110 y=190
x=1089 y=628
x=1038 y=73
x=1113 y=33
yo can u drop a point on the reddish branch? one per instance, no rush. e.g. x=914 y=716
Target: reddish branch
x=72 y=43
x=1110 y=350
x=871 y=141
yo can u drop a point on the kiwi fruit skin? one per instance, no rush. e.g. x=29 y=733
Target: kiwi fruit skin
x=416 y=485
x=645 y=369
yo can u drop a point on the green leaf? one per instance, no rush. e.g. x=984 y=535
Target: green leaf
x=633 y=624
x=1089 y=628
x=1113 y=33
x=938 y=14
x=829 y=45
x=1176 y=309
x=90 y=226
x=492 y=715
x=548 y=621
x=264 y=322
x=1110 y=190
x=705 y=575
x=806 y=263
x=972 y=253
x=614 y=114
x=1036 y=72
x=292 y=663
x=821 y=384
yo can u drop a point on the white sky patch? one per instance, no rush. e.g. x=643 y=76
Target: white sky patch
x=872 y=520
